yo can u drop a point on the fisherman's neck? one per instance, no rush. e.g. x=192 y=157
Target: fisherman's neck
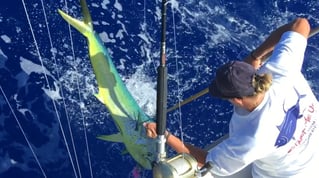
x=254 y=102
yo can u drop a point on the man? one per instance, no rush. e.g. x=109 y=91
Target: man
x=275 y=118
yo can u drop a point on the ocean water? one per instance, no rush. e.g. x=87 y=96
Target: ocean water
x=47 y=82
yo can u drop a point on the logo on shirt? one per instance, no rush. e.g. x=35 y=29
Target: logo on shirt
x=309 y=127
x=288 y=126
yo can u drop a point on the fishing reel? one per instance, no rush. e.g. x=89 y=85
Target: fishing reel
x=181 y=166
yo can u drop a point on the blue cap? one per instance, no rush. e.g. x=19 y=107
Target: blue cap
x=233 y=79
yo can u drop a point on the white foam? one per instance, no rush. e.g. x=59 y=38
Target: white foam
x=6 y=39
x=143 y=90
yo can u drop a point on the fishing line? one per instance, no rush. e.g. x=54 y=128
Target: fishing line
x=80 y=99
x=48 y=84
x=144 y=12
x=23 y=132
x=61 y=88
x=149 y=45
x=177 y=77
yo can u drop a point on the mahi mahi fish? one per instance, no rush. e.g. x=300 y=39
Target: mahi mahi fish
x=126 y=113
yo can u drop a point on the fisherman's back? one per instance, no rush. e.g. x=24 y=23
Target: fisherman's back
x=297 y=144
x=298 y=157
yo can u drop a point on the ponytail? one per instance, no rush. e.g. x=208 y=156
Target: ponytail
x=262 y=82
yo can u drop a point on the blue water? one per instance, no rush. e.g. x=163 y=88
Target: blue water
x=201 y=35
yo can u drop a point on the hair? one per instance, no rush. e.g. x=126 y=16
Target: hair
x=261 y=82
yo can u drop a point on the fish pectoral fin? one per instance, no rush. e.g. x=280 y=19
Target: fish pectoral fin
x=124 y=152
x=112 y=138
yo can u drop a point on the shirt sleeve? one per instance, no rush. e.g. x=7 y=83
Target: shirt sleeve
x=250 y=138
x=232 y=155
x=288 y=55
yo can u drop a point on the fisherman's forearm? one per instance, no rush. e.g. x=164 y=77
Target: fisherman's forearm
x=299 y=25
x=268 y=45
x=180 y=147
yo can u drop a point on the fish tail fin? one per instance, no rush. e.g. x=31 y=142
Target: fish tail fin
x=86 y=13
x=85 y=26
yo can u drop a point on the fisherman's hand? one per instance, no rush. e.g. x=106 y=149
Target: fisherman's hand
x=251 y=59
x=150 y=129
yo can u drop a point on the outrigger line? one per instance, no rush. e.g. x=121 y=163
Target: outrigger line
x=205 y=91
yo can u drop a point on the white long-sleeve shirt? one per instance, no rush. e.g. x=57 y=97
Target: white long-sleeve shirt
x=280 y=138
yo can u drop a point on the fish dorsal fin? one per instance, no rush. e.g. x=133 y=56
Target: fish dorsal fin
x=112 y=138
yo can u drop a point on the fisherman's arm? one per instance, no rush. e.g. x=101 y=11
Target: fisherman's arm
x=177 y=144
x=261 y=53
x=180 y=147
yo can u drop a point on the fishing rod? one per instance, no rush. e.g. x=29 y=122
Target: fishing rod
x=182 y=165
x=191 y=98
x=313 y=32
x=161 y=104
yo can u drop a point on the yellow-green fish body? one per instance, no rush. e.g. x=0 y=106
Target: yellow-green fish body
x=112 y=92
